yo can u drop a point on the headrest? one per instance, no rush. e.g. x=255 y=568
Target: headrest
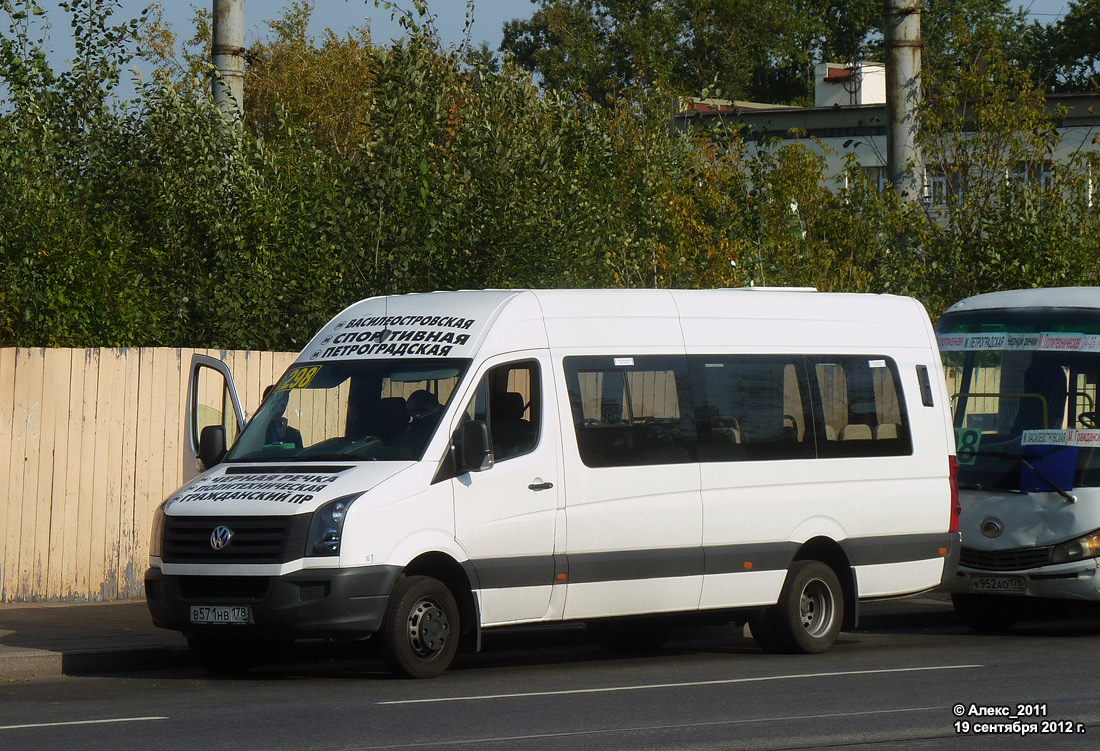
x=506 y=405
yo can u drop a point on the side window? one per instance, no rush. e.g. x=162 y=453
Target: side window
x=212 y=404
x=752 y=408
x=860 y=411
x=509 y=400
x=631 y=411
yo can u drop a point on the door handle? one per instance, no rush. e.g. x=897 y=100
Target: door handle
x=540 y=486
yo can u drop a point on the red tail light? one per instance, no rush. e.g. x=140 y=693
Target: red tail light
x=953 y=478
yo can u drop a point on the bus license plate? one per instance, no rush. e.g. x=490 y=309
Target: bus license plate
x=996 y=584
x=221 y=614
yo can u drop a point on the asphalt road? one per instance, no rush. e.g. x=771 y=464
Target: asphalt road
x=710 y=689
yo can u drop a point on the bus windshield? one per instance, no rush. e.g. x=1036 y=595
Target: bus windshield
x=350 y=410
x=1023 y=385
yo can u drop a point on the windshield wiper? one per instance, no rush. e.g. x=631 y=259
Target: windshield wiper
x=1023 y=460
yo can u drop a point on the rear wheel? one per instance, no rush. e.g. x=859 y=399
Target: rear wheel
x=988 y=612
x=808 y=615
x=763 y=633
x=420 y=630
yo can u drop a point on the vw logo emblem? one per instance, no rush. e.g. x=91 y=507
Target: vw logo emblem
x=220 y=537
x=992 y=527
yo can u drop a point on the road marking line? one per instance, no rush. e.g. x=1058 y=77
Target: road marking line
x=79 y=722
x=644 y=728
x=687 y=684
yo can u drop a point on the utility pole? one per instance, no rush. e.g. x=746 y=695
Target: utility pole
x=901 y=27
x=228 y=54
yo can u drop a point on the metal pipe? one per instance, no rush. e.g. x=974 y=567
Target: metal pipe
x=228 y=54
x=901 y=32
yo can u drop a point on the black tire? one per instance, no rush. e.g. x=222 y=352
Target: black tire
x=226 y=657
x=420 y=630
x=634 y=635
x=809 y=613
x=988 y=613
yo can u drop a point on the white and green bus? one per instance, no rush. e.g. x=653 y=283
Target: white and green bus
x=1022 y=368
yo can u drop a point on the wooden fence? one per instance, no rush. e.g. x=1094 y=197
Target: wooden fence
x=91 y=441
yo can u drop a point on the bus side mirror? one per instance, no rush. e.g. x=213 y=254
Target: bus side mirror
x=475 y=453
x=211 y=445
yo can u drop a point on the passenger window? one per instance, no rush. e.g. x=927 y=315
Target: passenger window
x=860 y=410
x=508 y=400
x=752 y=408
x=631 y=411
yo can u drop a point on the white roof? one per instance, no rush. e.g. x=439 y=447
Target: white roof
x=1049 y=297
x=459 y=324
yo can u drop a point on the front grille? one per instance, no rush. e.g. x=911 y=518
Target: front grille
x=255 y=539
x=236 y=588
x=1005 y=560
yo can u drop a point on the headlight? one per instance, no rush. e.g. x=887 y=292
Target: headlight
x=156 y=535
x=1086 y=546
x=327 y=527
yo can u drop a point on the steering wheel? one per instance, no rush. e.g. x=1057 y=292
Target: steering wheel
x=1088 y=419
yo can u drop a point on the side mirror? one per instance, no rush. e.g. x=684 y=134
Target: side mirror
x=475 y=453
x=211 y=445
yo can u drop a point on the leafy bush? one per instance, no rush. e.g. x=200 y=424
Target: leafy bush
x=363 y=169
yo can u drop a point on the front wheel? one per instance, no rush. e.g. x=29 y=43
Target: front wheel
x=420 y=629
x=991 y=613
x=808 y=615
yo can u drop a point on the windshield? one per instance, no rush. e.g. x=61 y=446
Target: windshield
x=352 y=409
x=1023 y=387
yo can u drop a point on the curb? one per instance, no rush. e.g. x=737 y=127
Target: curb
x=20 y=664
x=24 y=664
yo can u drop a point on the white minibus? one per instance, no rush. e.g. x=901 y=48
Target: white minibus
x=1022 y=367
x=433 y=465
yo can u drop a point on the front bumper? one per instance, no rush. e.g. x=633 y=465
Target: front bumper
x=1079 y=580
x=312 y=603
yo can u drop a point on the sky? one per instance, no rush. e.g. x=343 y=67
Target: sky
x=339 y=15
x=489 y=17
x=342 y=15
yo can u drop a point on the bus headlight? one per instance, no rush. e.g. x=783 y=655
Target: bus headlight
x=1086 y=546
x=156 y=535
x=327 y=527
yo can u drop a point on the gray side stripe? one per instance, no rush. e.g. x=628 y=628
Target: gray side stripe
x=635 y=564
x=626 y=565
x=868 y=551
x=767 y=556
x=523 y=571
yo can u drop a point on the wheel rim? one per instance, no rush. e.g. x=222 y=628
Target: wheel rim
x=429 y=627
x=816 y=608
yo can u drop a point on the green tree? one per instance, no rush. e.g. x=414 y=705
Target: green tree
x=412 y=166
x=1014 y=205
x=762 y=51
x=748 y=50
x=1067 y=53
